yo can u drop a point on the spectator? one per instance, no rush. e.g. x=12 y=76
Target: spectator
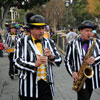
x=94 y=33
x=51 y=32
x=0 y=34
x=1 y=48
x=70 y=36
x=46 y=32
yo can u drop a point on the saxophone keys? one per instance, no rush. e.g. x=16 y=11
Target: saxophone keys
x=74 y=88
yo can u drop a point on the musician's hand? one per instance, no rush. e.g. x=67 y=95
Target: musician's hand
x=41 y=60
x=6 y=46
x=48 y=53
x=75 y=76
x=90 y=60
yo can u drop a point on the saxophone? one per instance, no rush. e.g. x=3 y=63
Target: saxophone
x=85 y=70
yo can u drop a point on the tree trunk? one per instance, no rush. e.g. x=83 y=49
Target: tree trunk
x=0 y=16
x=6 y=9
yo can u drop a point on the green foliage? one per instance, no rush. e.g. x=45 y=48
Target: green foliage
x=31 y=3
x=21 y=16
x=4 y=3
x=93 y=7
x=79 y=11
x=20 y=4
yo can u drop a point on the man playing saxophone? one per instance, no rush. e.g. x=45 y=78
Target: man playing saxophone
x=76 y=53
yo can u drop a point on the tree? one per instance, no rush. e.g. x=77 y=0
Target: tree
x=54 y=12
x=24 y=4
x=21 y=13
x=93 y=7
x=4 y=7
x=80 y=12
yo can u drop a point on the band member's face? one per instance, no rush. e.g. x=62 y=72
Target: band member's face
x=86 y=33
x=12 y=29
x=37 y=32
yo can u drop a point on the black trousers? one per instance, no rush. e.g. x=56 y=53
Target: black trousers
x=85 y=94
x=1 y=53
x=44 y=92
x=12 y=69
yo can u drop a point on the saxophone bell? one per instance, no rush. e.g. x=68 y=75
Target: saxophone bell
x=88 y=72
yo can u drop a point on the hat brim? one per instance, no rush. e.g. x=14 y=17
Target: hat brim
x=12 y=27
x=37 y=24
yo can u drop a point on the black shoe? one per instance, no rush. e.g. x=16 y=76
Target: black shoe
x=12 y=76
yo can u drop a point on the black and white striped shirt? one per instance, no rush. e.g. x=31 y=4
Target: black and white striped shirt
x=10 y=40
x=25 y=58
x=73 y=59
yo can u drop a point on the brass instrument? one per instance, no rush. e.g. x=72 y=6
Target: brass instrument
x=85 y=70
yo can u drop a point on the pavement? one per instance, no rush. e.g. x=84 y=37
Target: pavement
x=63 y=84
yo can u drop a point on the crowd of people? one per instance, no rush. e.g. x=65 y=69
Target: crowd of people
x=32 y=53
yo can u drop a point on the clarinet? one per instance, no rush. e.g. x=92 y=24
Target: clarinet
x=46 y=66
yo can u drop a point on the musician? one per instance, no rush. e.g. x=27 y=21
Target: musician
x=22 y=32
x=34 y=57
x=10 y=42
x=76 y=52
x=26 y=30
x=46 y=32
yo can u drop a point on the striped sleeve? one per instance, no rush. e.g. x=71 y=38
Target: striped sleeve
x=19 y=59
x=68 y=59
x=97 y=50
x=7 y=40
x=56 y=54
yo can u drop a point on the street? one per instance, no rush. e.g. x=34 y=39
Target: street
x=63 y=84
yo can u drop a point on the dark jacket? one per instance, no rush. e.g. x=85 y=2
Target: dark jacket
x=25 y=58
x=74 y=55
